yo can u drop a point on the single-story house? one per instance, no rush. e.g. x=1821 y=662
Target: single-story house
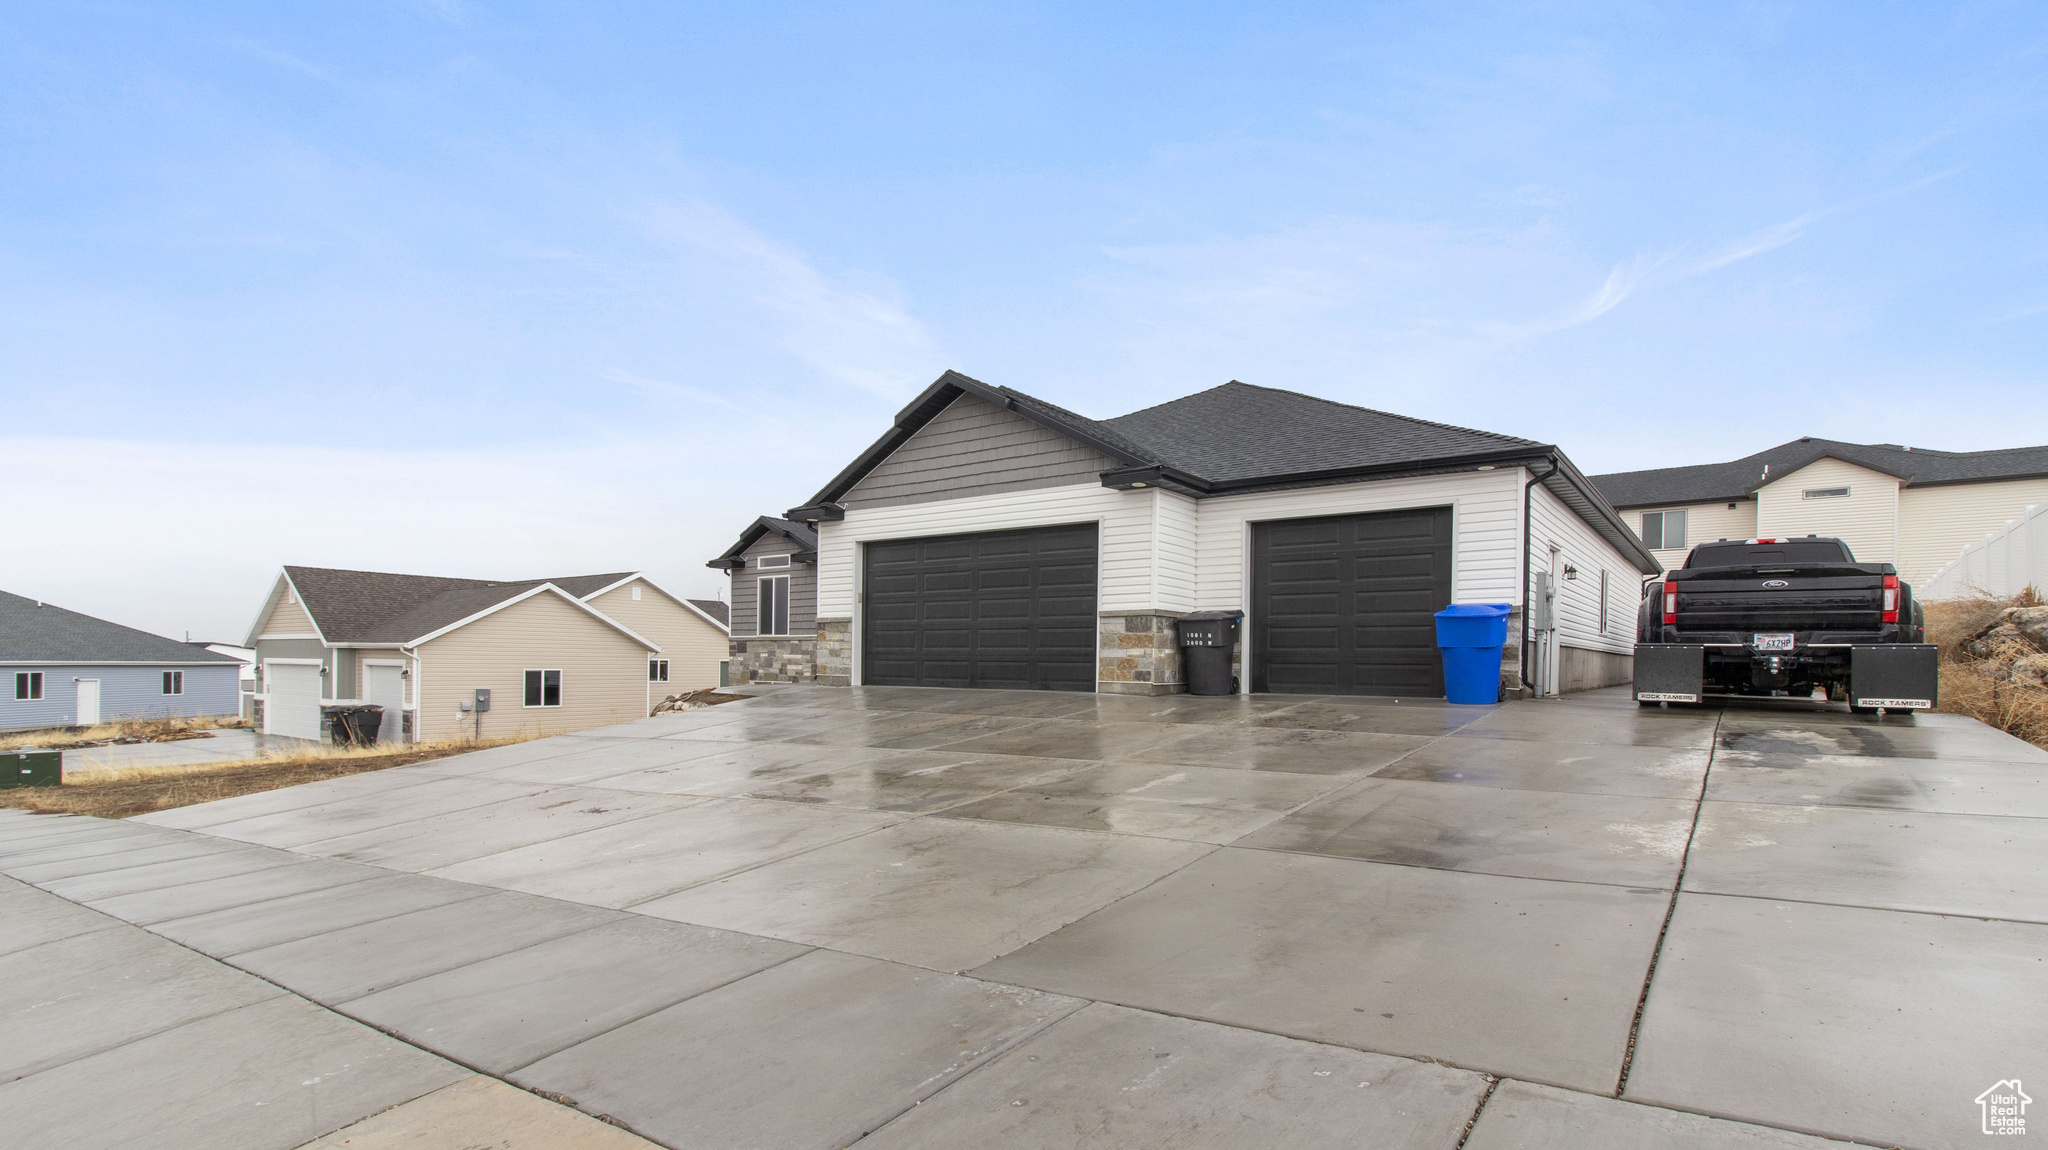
x=1910 y=506
x=59 y=668
x=991 y=539
x=553 y=654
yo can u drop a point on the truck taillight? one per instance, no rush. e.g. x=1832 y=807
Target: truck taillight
x=1670 y=604
x=1891 y=598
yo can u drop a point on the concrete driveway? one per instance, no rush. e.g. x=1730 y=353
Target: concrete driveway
x=927 y=918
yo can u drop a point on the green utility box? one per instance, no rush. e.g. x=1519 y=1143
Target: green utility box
x=31 y=769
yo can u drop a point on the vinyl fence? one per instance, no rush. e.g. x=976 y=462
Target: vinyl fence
x=2006 y=562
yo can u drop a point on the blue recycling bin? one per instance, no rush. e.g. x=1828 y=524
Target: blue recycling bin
x=1471 y=636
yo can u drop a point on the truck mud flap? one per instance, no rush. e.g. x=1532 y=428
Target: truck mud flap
x=1669 y=672
x=1895 y=676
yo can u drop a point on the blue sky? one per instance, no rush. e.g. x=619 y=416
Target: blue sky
x=507 y=290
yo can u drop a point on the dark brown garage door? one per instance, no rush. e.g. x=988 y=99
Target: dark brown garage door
x=1346 y=605
x=1011 y=609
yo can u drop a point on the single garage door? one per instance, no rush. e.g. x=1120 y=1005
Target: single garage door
x=1346 y=605
x=294 y=705
x=1003 y=609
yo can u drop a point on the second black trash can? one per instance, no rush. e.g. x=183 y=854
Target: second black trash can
x=1206 y=638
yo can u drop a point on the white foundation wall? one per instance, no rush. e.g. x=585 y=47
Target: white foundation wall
x=1130 y=567
x=1486 y=530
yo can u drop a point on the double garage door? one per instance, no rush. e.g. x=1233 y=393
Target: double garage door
x=1342 y=605
x=1002 y=609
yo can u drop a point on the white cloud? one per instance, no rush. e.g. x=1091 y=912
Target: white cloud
x=861 y=336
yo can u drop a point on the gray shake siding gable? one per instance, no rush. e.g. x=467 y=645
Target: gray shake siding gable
x=972 y=448
x=803 y=589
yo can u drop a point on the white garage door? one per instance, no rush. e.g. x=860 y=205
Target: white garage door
x=294 y=706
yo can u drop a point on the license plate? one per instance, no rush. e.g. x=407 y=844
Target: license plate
x=1777 y=642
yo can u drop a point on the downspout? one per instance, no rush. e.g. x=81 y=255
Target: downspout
x=1527 y=606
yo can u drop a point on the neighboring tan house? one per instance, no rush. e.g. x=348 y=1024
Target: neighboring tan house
x=990 y=539
x=555 y=654
x=1907 y=506
x=59 y=668
x=774 y=570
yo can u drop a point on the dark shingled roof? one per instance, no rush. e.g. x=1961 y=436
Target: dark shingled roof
x=381 y=607
x=1237 y=438
x=1239 y=433
x=50 y=634
x=716 y=608
x=1739 y=478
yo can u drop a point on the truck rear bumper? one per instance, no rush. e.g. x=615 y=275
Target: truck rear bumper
x=1894 y=676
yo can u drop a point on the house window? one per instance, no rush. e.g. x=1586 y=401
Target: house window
x=1664 y=530
x=772 y=561
x=543 y=688
x=657 y=670
x=1826 y=493
x=174 y=682
x=774 y=606
x=28 y=685
x=636 y=592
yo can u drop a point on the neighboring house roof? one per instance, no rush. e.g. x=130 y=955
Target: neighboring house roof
x=716 y=608
x=1739 y=478
x=802 y=534
x=383 y=607
x=36 y=632
x=1238 y=437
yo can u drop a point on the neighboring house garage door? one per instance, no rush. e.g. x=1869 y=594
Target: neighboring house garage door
x=294 y=705
x=1346 y=605
x=1004 y=609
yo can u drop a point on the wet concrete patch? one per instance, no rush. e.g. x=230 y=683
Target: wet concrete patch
x=1199 y=804
x=1513 y=976
x=1627 y=841
x=1583 y=768
x=940 y=893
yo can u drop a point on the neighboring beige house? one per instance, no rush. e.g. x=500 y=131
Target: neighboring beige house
x=1909 y=506
x=554 y=654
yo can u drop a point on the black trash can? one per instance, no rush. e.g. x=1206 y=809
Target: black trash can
x=353 y=725
x=1206 y=638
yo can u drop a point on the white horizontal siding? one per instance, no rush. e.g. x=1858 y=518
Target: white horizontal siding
x=1867 y=519
x=1578 y=620
x=1125 y=522
x=1177 y=521
x=1486 y=553
x=1936 y=523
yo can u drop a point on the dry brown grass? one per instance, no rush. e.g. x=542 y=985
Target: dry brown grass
x=151 y=730
x=140 y=790
x=1967 y=688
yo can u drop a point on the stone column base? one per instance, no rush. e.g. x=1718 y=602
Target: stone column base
x=834 y=660
x=1138 y=654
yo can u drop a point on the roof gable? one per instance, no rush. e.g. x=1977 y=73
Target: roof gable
x=803 y=536
x=357 y=607
x=32 y=631
x=453 y=600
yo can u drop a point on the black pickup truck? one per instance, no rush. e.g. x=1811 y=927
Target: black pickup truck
x=1763 y=617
